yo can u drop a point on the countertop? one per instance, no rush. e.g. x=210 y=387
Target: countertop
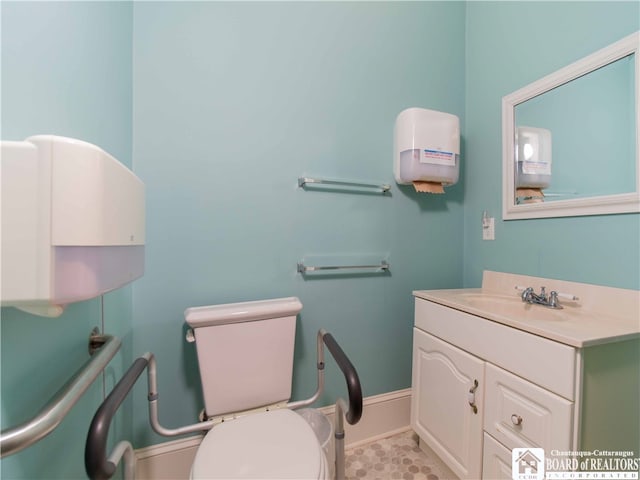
x=578 y=324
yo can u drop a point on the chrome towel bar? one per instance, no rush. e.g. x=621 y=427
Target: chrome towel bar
x=303 y=181
x=15 y=439
x=302 y=268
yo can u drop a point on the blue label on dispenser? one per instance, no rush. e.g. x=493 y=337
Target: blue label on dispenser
x=536 y=168
x=437 y=157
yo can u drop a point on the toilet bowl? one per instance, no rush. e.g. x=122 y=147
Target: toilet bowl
x=276 y=445
x=245 y=356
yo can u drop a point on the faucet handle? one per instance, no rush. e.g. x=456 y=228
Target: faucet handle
x=567 y=296
x=553 y=300
x=526 y=293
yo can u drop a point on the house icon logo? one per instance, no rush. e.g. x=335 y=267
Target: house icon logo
x=527 y=464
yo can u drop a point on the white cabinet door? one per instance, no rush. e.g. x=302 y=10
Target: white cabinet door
x=447 y=403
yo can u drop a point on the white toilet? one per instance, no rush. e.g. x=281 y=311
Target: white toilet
x=245 y=353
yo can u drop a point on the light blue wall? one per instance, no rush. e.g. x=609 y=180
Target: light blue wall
x=234 y=101
x=509 y=45
x=66 y=70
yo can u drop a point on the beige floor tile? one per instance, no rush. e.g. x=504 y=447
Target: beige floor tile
x=397 y=457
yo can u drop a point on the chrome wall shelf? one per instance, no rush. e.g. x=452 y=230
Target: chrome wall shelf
x=383 y=266
x=305 y=181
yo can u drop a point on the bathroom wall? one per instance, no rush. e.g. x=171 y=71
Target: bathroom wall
x=509 y=45
x=66 y=70
x=232 y=103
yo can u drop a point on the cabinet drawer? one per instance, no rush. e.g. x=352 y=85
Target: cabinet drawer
x=496 y=460
x=545 y=362
x=521 y=414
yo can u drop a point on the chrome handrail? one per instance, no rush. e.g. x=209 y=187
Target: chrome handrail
x=15 y=439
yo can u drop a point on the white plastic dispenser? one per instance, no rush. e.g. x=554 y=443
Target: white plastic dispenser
x=72 y=223
x=426 y=149
x=533 y=157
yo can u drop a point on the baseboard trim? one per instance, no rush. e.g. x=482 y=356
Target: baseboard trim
x=383 y=416
x=170 y=447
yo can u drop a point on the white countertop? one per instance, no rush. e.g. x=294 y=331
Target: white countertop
x=593 y=320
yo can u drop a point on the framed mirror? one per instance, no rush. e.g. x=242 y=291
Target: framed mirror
x=570 y=140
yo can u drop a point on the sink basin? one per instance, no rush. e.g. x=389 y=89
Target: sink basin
x=490 y=299
x=509 y=305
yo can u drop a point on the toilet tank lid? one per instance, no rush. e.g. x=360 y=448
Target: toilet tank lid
x=242 y=312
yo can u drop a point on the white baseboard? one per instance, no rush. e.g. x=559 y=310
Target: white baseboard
x=170 y=460
x=383 y=415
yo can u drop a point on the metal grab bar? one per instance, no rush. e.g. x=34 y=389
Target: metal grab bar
x=96 y=463
x=100 y=467
x=13 y=440
x=354 y=413
x=303 y=181
x=153 y=407
x=302 y=268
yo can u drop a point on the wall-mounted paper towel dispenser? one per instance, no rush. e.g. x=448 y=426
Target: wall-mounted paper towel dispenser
x=72 y=223
x=426 y=149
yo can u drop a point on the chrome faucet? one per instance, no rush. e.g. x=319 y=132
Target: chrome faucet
x=551 y=300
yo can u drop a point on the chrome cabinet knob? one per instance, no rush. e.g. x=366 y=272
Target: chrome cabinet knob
x=516 y=419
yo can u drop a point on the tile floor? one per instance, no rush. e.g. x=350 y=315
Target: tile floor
x=397 y=457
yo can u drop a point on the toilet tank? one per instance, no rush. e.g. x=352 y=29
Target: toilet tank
x=245 y=353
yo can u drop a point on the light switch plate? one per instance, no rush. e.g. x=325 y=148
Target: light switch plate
x=488 y=229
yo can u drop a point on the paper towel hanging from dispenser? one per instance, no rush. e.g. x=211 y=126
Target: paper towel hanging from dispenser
x=72 y=223
x=426 y=149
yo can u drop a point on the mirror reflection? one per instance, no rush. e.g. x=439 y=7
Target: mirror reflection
x=578 y=139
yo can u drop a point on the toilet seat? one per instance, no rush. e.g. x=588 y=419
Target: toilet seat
x=278 y=444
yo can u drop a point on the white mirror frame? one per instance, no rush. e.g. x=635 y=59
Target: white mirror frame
x=600 y=205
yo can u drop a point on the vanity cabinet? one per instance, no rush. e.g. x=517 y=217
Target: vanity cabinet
x=481 y=388
x=459 y=397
